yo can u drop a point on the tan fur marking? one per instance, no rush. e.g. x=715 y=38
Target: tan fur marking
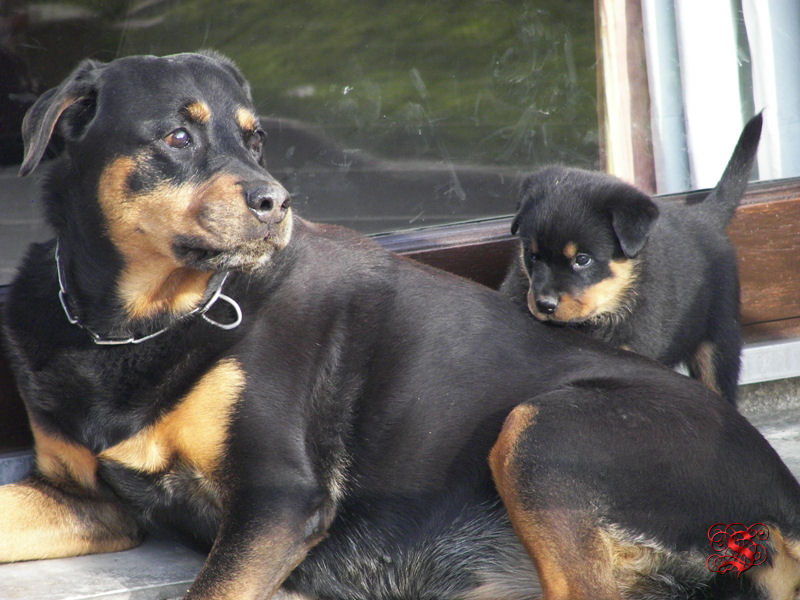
x=604 y=298
x=571 y=558
x=502 y=453
x=781 y=579
x=703 y=365
x=504 y=471
x=521 y=258
x=144 y=226
x=63 y=461
x=246 y=119
x=199 y=112
x=256 y=570
x=38 y=521
x=195 y=431
x=571 y=250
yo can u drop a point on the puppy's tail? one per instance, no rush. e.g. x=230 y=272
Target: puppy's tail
x=725 y=197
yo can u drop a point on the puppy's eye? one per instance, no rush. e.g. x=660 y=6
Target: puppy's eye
x=582 y=261
x=179 y=138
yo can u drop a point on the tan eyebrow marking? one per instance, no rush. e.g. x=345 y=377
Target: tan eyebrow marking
x=198 y=111
x=246 y=119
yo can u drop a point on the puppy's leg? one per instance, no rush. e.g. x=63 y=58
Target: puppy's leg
x=716 y=365
x=564 y=540
x=38 y=520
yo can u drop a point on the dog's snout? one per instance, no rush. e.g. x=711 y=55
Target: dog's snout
x=267 y=201
x=547 y=304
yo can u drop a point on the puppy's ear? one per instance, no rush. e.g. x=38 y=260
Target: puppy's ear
x=530 y=193
x=633 y=214
x=79 y=89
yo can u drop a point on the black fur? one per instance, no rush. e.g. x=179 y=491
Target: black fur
x=684 y=287
x=354 y=463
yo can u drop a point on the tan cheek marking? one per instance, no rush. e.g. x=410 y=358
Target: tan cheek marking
x=142 y=227
x=61 y=460
x=605 y=297
x=195 y=431
x=246 y=120
x=199 y=112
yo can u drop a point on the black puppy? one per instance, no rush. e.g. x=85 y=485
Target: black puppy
x=315 y=411
x=654 y=277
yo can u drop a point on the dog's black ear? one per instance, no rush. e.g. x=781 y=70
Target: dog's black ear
x=633 y=214
x=41 y=119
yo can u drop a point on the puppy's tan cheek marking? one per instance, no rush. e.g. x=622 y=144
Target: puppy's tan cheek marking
x=605 y=297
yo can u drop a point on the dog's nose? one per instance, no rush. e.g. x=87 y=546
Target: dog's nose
x=547 y=304
x=267 y=201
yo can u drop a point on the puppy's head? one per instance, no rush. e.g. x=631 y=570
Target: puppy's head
x=581 y=235
x=167 y=151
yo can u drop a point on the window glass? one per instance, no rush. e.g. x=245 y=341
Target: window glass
x=706 y=81
x=380 y=115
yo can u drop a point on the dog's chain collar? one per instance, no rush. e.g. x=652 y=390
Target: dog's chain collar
x=105 y=341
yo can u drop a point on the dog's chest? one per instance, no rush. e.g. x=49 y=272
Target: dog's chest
x=180 y=454
x=194 y=432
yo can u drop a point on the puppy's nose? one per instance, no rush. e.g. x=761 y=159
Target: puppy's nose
x=547 y=304
x=267 y=201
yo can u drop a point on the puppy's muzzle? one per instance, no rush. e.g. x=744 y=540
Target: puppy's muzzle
x=268 y=201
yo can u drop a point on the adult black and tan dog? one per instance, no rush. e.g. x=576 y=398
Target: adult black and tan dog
x=653 y=276
x=327 y=418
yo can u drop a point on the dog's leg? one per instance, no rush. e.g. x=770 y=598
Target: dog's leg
x=262 y=538
x=569 y=550
x=716 y=365
x=38 y=520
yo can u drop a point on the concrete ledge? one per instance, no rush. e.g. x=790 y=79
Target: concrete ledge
x=156 y=570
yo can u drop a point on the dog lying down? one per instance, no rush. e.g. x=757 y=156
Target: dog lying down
x=316 y=412
x=652 y=276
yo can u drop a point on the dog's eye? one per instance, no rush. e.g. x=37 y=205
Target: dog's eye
x=179 y=138
x=582 y=261
x=255 y=141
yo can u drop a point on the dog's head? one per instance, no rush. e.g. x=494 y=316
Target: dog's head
x=168 y=152
x=581 y=234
